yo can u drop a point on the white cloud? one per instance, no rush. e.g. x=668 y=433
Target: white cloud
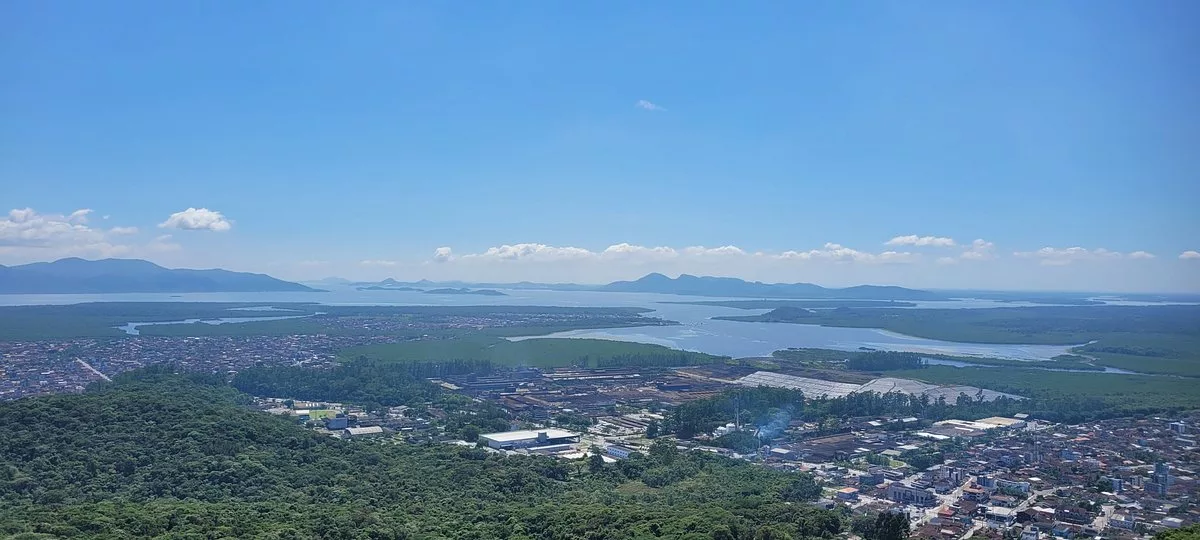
x=28 y=236
x=630 y=250
x=625 y=252
x=722 y=250
x=163 y=243
x=839 y=253
x=947 y=260
x=516 y=252
x=197 y=219
x=1063 y=256
x=981 y=250
x=25 y=227
x=79 y=216
x=643 y=104
x=377 y=262
x=1189 y=254
x=1141 y=255
x=921 y=241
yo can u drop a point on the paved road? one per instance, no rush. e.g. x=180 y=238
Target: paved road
x=89 y=367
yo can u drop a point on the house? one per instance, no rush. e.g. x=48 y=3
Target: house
x=1000 y=515
x=848 y=494
x=1066 y=530
x=873 y=477
x=338 y=422
x=1011 y=486
x=1123 y=521
x=974 y=493
x=1171 y=522
x=1003 y=500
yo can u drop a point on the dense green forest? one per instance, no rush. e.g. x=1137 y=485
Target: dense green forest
x=543 y=352
x=1191 y=532
x=154 y=455
x=358 y=381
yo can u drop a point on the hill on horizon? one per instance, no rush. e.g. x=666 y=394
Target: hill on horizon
x=689 y=285
x=80 y=276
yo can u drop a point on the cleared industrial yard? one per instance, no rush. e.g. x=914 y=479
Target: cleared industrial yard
x=818 y=387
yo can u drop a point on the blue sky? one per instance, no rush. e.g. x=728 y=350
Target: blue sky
x=357 y=139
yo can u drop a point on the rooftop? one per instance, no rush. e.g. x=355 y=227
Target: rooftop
x=525 y=434
x=370 y=430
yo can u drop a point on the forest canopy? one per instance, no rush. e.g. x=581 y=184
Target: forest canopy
x=156 y=454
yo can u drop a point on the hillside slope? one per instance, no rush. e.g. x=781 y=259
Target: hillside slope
x=163 y=456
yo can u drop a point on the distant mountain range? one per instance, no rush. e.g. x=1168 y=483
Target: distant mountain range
x=689 y=285
x=79 y=276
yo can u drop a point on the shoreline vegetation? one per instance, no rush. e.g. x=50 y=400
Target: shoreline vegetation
x=826 y=356
x=809 y=304
x=1163 y=340
x=102 y=319
x=1117 y=393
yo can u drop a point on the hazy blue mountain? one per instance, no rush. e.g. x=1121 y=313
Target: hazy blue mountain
x=79 y=276
x=721 y=286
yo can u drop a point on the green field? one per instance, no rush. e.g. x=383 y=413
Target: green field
x=549 y=352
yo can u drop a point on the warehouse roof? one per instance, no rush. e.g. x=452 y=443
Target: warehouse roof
x=371 y=430
x=525 y=434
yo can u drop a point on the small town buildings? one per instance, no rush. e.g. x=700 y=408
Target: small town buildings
x=907 y=494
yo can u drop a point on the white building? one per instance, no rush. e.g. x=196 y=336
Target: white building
x=509 y=440
x=619 y=452
x=362 y=431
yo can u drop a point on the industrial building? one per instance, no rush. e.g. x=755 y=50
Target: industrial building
x=510 y=440
x=362 y=431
